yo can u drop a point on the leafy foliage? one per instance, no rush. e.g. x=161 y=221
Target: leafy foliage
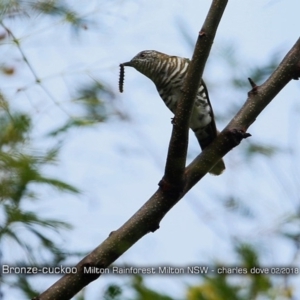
x=53 y=8
x=113 y=292
x=97 y=103
x=22 y=165
x=145 y=293
x=20 y=174
x=219 y=285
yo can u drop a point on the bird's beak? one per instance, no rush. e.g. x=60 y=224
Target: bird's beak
x=127 y=64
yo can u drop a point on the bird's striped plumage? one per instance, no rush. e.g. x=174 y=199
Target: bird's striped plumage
x=168 y=73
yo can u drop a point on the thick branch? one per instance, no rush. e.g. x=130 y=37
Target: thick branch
x=176 y=159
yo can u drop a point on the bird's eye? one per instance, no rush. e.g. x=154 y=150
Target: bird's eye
x=142 y=55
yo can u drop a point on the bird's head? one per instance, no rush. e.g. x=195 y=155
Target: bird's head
x=143 y=58
x=147 y=62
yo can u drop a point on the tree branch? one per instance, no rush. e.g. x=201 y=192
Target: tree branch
x=176 y=158
x=148 y=217
x=258 y=98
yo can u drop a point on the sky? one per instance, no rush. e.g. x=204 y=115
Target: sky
x=118 y=164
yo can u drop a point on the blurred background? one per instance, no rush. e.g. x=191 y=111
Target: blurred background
x=77 y=158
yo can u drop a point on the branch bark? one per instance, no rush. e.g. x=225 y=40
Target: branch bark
x=148 y=217
x=176 y=158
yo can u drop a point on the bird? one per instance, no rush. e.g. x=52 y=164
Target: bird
x=168 y=73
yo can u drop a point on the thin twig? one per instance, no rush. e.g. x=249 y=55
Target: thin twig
x=36 y=77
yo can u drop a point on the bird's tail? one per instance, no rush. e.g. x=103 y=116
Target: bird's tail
x=204 y=139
